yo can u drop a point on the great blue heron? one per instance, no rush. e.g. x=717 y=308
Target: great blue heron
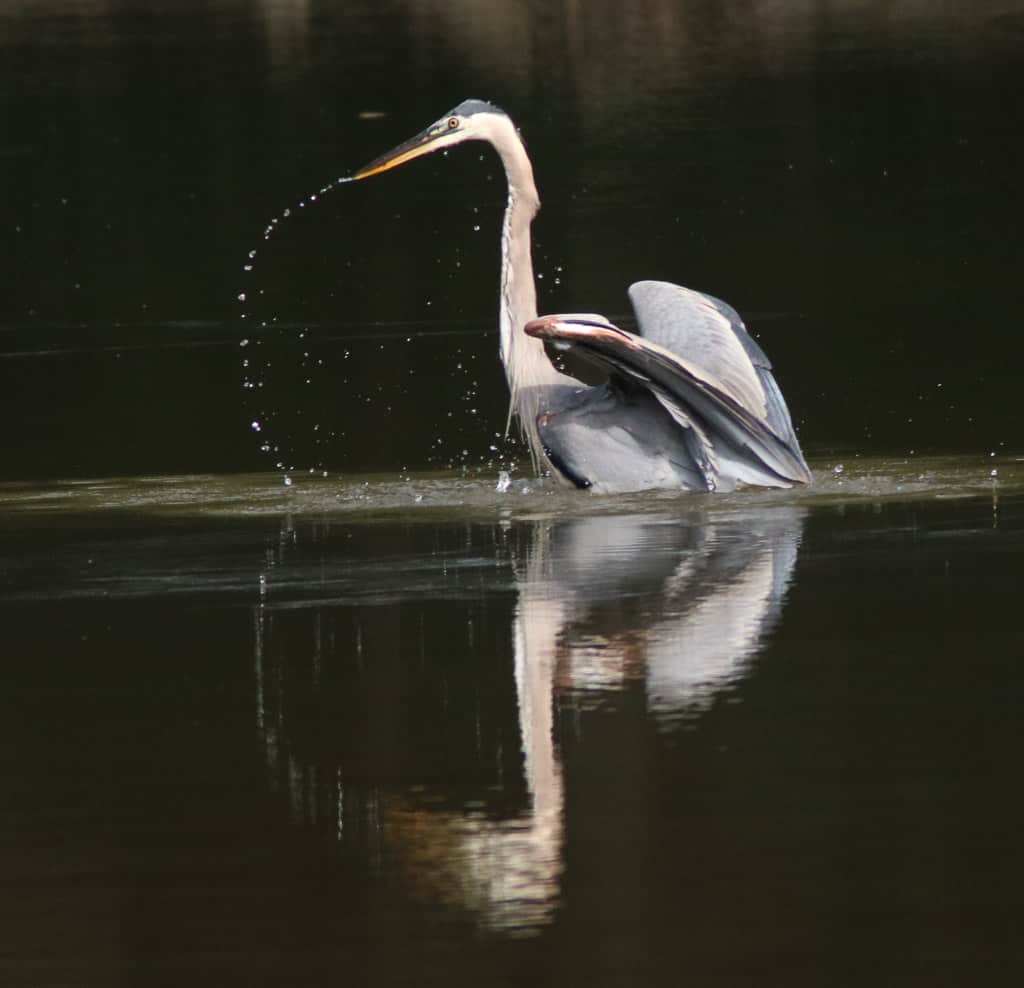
x=690 y=403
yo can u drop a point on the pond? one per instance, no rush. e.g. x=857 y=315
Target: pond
x=308 y=680
x=420 y=731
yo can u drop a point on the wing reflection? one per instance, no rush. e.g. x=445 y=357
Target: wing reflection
x=674 y=606
x=682 y=607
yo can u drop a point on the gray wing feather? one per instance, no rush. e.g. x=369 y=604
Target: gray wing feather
x=691 y=400
x=705 y=405
x=666 y=312
x=712 y=338
x=692 y=327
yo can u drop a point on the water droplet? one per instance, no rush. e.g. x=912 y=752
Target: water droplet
x=504 y=481
x=241 y=296
x=838 y=468
x=287 y=481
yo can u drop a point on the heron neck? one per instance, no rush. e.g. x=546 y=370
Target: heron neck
x=527 y=368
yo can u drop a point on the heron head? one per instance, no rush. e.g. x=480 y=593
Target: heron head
x=470 y=120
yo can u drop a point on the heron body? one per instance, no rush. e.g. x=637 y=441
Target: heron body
x=690 y=401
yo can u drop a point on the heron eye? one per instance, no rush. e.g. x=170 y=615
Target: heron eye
x=453 y=122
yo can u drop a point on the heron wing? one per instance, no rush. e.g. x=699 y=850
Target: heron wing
x=707 y=335
x=697 y=399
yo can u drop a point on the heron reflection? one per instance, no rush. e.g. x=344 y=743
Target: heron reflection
x=602 y=604
x=690 y=403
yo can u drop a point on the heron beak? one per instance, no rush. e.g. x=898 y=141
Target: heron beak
x=421 y=144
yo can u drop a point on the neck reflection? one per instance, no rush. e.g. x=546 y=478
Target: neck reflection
x=677 y=606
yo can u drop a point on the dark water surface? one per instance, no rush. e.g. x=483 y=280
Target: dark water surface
x=422 y=732
x=393 y=726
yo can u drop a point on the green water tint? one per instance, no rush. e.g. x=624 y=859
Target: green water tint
x=473 y=495
x=460 y=708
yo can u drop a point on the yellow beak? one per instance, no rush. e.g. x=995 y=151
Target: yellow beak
x=421 y=144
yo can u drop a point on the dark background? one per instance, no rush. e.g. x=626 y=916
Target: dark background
x=192 y=677
x=846 y=174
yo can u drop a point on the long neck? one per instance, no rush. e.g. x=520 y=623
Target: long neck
x=527 y=367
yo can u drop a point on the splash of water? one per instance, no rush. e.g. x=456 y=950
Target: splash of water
x=256 y=369
x=292 y=393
